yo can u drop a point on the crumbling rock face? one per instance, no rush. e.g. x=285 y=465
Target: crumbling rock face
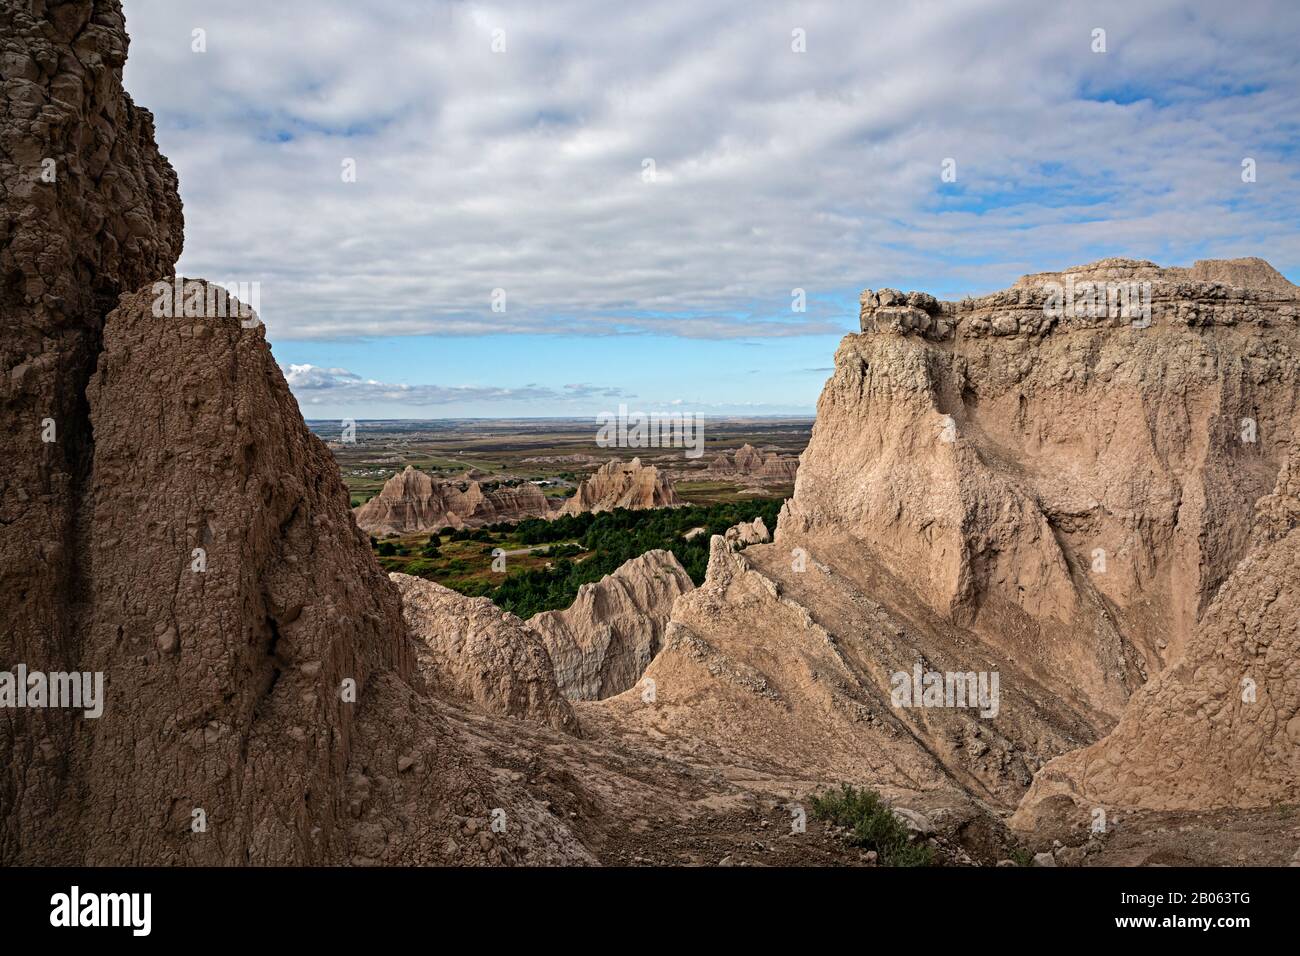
x=1058 y=498
x=1071 y=484
x=90 y=210
x=748 y=532
x=472 y=651
x=786 y=675
x=1221 y=728
x=601 y=644
x=237 y=588
x=181 y=532
x=617 y=485
x=412 y=501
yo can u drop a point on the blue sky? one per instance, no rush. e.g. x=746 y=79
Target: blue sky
x=647 y=184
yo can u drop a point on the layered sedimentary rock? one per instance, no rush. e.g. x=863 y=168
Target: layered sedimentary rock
x=1029 y=485
x=182 y=534
x=601 y=644
x=1220 y=728
x=412 y=501
x=472 y=651
x=786 y=675
x=750 y=462
x=617 y=485
x=1063 y=475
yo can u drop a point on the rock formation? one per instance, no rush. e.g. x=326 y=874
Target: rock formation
x=748 y=532
x=181 y=533
x=1086 y=486
x=601 y=644
x=617 y=485
x=1034 y=486
x=412 y=502
x=1220 y=728
x=1062 y=477
x=90 y=210
x=472 y=651
x=749 y=462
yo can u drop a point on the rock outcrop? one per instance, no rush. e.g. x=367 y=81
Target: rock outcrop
x=472 y=651
x=1062 y=475
x=617 y=485
x=1030 y=486
x=412 y=502
x=748 y=532
x=1220 y=728
x=749 y=462
x=181 y=533
x=601 y=644
x=90 y=210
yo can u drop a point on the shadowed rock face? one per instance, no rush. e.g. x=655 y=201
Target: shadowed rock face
x=1220 y=728
x=412 y=501
x=186 y=536
x=90 y=210
x=617 y=485
x=601 y=644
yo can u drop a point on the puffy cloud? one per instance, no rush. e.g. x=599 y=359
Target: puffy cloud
x=526 y=170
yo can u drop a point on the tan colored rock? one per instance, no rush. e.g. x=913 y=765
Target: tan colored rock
x=1248 y=273
x=1060 y=506
x=1074 y=493
x=617 y=485
x=412 y=502
x=749 y=462
x=785 y=675
x=601 y=644
x=778 y=468
x=746 y=459
x=472 y=651
x=1221 y=728
x=748 y=532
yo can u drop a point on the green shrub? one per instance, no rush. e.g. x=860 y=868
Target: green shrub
x=872 y=825
x=1022 y=857
x=419 y=567
x=387 y=549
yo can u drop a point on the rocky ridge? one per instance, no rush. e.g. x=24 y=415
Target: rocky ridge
x=616 y=484
x=749 y=462
x=602 y=643
x=412 y=502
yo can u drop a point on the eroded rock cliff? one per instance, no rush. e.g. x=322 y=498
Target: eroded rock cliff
x=412 y=501
x=1031 y=486
x=617 y=485
x=472 y=651
x=601 y=644
x=173 y=527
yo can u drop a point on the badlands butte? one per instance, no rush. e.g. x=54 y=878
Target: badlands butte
x=1098 y=511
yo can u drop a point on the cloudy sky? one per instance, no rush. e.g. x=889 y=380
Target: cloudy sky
x=458 y=209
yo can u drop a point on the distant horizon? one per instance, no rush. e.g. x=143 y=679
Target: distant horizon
x=553 y=418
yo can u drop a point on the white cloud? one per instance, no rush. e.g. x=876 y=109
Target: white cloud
x=338 y=388
x=523 y=170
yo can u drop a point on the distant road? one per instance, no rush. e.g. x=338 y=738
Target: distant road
x=540 y=547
